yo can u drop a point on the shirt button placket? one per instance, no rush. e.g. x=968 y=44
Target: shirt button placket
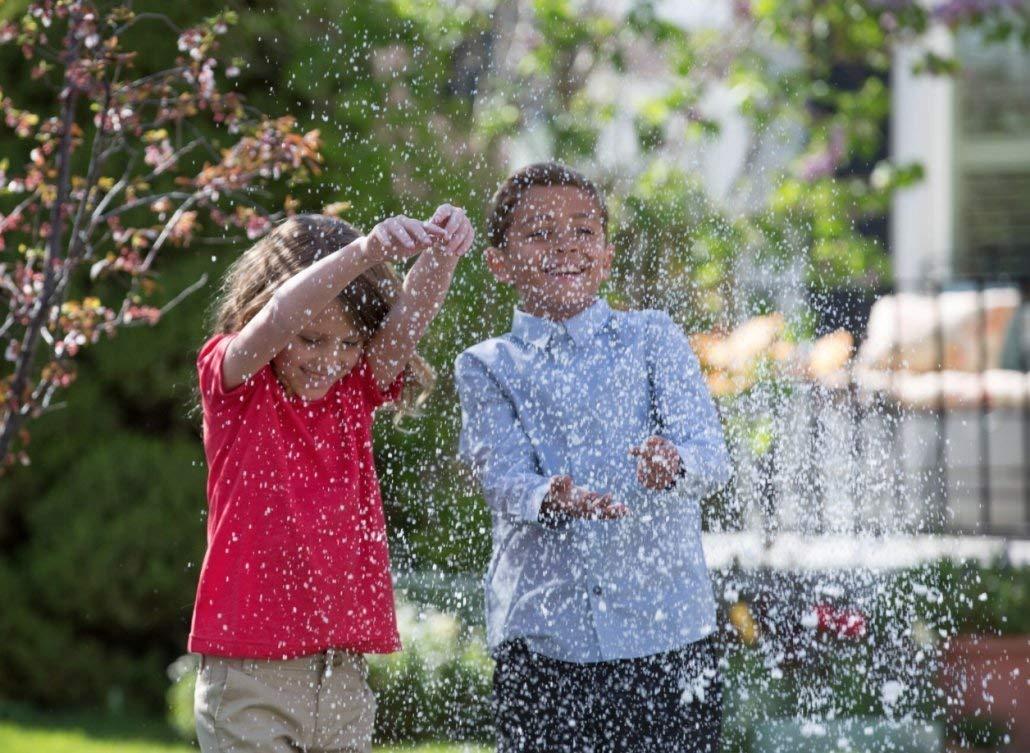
x=598 y=609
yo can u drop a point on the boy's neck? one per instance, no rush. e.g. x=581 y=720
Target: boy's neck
x=556 y=315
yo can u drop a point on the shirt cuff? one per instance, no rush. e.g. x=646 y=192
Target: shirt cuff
x=691 y=478
x=531 y=508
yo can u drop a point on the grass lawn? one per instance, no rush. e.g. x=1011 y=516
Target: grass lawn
x=28 y=731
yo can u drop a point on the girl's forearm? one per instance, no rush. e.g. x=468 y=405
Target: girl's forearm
x=304 y=295
x=309 y=291
x=425 y=288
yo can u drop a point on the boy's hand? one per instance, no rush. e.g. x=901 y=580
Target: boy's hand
x=658 y=463
x=459 y=233
x=399 y=237
x=566 y=500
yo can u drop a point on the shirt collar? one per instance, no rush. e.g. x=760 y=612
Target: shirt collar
x=582 y=327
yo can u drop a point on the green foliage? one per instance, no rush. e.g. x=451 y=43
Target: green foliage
x=102 y=590
x=103 y=535
x=100 y=538
x=975 y=732
x=974 y=599
x=438 y=688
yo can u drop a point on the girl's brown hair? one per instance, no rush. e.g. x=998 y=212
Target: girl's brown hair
x=295 y=244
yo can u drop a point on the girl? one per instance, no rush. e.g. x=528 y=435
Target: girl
x=314 y=331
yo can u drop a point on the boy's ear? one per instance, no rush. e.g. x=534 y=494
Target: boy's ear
x=609 y=256
x=495 y=262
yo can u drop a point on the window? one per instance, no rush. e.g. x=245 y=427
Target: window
x=992 y=167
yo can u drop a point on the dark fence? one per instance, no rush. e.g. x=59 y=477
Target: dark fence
x=927 y=431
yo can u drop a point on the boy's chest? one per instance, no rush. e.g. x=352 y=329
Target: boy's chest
x=586 y=392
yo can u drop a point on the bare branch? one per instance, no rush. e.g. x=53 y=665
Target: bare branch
x=144 y=201
x=148 y=16
x=183 y=294
x=116 y=189
x=15 y=414
x=151 y=77
x=96 y=163
x=166 y=231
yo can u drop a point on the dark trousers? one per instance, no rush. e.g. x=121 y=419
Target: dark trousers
x=666 y=703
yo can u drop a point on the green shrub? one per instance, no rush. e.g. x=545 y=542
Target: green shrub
x=437 y=688
x=98 y=601
x=977 y=733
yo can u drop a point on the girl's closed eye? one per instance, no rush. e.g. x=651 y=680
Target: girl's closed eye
x=310 y=339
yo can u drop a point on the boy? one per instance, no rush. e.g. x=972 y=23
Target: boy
x=594 y=437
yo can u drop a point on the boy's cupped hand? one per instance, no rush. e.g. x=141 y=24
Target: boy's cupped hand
x=566 y=500
x=658 y=463
x=397 y=238
x=458 y=231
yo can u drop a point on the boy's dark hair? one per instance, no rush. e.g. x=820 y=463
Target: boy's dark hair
x=502 y=207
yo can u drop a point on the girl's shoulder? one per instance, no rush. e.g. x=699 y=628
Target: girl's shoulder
x=209 y=372
x=361 y=382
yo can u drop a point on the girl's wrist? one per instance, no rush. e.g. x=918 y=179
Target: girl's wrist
x=441 y=258
x=363 y=250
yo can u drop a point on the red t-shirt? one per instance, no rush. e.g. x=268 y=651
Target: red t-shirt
x=297 y=559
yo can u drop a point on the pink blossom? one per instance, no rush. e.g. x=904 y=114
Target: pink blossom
x=257 y=225
x=824 y=163
x=160 y=156
x=190 y=42
x=844 y=623
x=954 y=12
x=148 y=314
x=206 y=79
x=70 y=345
x=182 y=231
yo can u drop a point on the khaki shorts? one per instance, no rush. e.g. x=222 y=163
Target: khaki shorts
x=313 y=703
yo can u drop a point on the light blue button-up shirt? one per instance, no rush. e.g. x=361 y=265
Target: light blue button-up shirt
x=571 y=398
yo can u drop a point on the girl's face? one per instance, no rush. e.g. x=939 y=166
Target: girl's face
x=324 y=351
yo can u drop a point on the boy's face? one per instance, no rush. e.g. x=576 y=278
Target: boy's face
x=556 y=253
x=322 y=353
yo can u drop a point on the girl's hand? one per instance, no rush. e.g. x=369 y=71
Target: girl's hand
x=457 y=228
x=397 y=238
x=658 y=463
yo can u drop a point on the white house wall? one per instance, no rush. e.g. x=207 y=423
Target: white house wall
x=922 y=130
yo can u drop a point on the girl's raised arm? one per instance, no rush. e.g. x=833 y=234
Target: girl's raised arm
x=425 y=288
x=309 y=291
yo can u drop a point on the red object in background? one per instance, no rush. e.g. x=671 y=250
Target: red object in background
x=989 y=677
x=844 y=623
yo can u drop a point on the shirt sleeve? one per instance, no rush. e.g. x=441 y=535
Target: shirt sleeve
x=685 y=411
x=209 y=372
x=374 y=396
x=495 y=447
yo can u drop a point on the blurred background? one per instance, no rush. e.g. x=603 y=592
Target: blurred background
x=832 y=199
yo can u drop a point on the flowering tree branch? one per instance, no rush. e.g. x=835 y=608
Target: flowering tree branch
x=53 y=218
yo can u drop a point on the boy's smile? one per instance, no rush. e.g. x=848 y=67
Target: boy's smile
x=555 y=252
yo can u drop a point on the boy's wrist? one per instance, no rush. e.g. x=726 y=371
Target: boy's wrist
x=552 y=512
x=679 y=471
